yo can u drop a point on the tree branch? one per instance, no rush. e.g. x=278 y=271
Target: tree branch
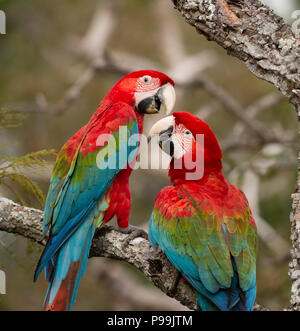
x=107 y=242
x=253 y=33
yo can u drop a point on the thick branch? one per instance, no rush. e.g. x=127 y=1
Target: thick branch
x=253 y=33
x=107 y=242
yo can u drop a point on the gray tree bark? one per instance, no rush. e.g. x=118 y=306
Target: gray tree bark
x=107 y=242
x=254 y=34
x=294 y=265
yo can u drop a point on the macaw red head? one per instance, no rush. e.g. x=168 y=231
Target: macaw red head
x=188 y=139
x=148 y=91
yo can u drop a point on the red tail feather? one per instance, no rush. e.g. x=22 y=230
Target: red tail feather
x=63 y=297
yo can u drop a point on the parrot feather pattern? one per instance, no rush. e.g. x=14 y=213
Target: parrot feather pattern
x=205 y=226
x=84 y=193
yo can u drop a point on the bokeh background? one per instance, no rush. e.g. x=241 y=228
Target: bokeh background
x=59 y=58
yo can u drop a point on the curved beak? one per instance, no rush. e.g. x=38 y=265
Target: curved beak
x=164 y=128
x=149 y=103
x=162 y=125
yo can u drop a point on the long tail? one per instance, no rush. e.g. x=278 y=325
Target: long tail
x=66 y=269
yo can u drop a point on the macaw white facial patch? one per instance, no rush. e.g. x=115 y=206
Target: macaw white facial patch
x=183 y=141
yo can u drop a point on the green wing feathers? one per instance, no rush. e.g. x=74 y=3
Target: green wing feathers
x=206 y=237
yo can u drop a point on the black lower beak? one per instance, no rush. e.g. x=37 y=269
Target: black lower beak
x=151 y=105
x=165 y=141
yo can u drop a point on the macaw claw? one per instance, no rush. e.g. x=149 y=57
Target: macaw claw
x=133 y=232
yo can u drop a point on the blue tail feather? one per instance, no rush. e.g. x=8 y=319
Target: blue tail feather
x=68 y=255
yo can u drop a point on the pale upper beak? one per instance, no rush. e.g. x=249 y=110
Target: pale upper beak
x=164 y=97
x=168 y=97
x=162 y=126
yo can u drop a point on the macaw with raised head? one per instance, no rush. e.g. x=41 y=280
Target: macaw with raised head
x=90 y=180
x=202 y=223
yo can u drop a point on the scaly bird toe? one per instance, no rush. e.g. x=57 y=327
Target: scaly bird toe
x=133 y=232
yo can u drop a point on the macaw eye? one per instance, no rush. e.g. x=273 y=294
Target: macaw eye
x=146 y=79
x=187 y=132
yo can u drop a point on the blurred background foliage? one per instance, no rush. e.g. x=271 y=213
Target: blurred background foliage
x=40 y=59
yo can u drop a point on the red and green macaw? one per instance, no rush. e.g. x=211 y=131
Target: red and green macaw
x=85 y=192
x=202 y=223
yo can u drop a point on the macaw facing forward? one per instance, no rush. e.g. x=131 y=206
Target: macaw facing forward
x=83 y=194
x=203 y=224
